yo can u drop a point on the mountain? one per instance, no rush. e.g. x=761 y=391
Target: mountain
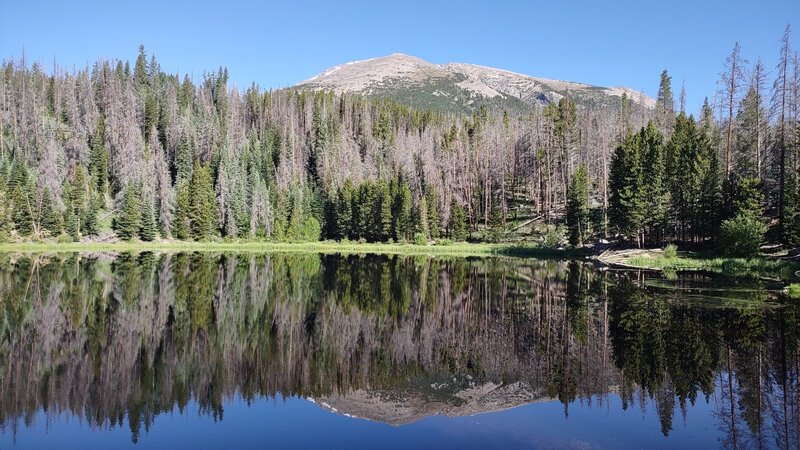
x=460 y=87
x=450 y=397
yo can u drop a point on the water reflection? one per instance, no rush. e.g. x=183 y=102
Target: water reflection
x=120 y=340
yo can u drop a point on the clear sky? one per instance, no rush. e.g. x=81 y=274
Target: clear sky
x=276 y=45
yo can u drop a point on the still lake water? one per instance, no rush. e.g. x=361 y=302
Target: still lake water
x=195 y=350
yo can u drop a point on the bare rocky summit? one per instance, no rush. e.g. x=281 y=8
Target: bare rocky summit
x=448 y=398
x=460 y=87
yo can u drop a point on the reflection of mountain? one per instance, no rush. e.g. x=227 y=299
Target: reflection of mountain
x=447 y=398
x=381 y=337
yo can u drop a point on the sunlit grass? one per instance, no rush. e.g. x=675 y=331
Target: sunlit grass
x=448 y=248
x=738 y=267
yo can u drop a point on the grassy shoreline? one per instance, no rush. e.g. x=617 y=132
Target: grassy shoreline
x=455 y=249
x=762 y=267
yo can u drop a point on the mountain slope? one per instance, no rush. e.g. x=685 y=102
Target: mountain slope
x=459 y=87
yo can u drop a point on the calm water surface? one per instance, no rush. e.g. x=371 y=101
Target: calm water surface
x=326 y=351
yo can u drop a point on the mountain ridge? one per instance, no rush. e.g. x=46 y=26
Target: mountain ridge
x=461 y=86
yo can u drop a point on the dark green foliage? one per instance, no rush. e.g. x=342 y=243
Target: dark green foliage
x=386 y=219
x=184 y=159
x=741 y=236
x=627 y=202
x=5 y=219
x=421 y=220
x=98 y=157
x=90 y=220
x=665 y=104
x=748 y=197
x=656 y=194
x=578 y=207
x=344 y=211
x=149 y=227
x=202 y=213
x=79 y=194
x=71 y=223
x=433 y=213
x=51 y=220
x=21 y=200
x=183 y=206
x=375 y=211
x=791 y=212
x=402 y=212
x=129 y=216
x=458 y=221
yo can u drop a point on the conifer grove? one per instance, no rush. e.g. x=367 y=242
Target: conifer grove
x=131 y=152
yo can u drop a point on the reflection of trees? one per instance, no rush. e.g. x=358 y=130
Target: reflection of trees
x=134 y=336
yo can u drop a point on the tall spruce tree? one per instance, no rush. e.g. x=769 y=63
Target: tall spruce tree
x=149 y=227
x=402 y=212
x=183 y=206
x=458 y=222
x=578 y=207
x=626 y=201
x=656 y=193
x=203 y=207
x=433 y=213
x=665 y=104
x=129 y=218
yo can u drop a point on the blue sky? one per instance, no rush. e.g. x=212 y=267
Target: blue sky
x=620 y=43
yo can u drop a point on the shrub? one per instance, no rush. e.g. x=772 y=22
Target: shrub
x=741 y=235
x=793 y=291
x=671 y=251
x=554 y=237
x=420 y=239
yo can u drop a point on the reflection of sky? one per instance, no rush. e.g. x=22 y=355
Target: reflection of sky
x=298 y=423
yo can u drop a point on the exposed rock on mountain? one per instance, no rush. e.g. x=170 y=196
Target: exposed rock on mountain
x=452 y=397
x=460 y=87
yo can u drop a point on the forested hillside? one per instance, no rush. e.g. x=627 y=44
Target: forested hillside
x=154 y=156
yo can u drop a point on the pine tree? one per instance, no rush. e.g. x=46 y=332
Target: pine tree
x=709 y=214
x=748 y=197
x=98 y=156
x=362 y=211
x=22 y=212
x=184 y=157
x=129 y=216
x=149 y=227
x=386 y=213
x=665 y=104
x=402 y=213
x=71 y=222
x=791 y=231
x=626 y=200
x=140 y=69
x=458 y=221
x=656 y=194
x=578 y=207
x=90 y=219
x=78 y=194
x=344 y=211
x=182 y=208
x=433 y=213
x=203 y=208
x=5 y=219
x=421 y=218
x=51 y=219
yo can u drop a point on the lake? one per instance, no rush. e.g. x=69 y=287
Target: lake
x=295 y=350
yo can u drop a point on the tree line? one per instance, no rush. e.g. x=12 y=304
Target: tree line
x=157 y=156
x=723 y=178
